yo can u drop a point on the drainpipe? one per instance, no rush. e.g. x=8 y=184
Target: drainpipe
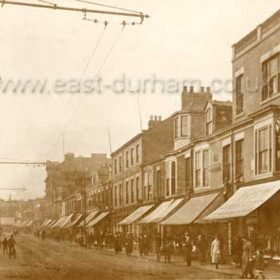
x=231 y=182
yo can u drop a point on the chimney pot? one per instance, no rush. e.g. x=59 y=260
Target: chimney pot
x=155 y=118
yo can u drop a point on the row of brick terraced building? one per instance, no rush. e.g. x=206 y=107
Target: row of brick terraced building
x=212 y=167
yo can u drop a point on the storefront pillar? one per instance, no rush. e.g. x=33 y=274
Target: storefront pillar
x=229 y=238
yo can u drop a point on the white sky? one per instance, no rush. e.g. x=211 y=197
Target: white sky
x=182 y=40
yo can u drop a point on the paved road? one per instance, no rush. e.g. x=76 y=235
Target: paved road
x=48 y=259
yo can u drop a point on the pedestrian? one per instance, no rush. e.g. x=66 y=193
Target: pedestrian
x=116 y=244
x=129 y=244
x=187 y=248
x=11 y=245
x=259 y=265
x=43 y=235
x=158 y=246
x=168 y=249
x=141 y=244
x=216 y=251
x=5 y=246
x=237 y=251
x=247 y=261
x=146 y=245
x=201 y=248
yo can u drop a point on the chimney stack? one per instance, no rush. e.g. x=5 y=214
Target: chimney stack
x=191 y=89
x=208 y=90
x=154 y=120
x=202 y=89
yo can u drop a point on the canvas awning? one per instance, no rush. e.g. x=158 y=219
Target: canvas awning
x=164 y=209
x=51 y=223
x=18 y=223
x=66 y=221
x=48 y=223
x=136 y=215
x=24 y=223
x=191 y=210
x=45 y=222
x=245 y=201
x=29 y=224
x=75 y=221
x=96 y=220
x=58 y=223
x=88 y=218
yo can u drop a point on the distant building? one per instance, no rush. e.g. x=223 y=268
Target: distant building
x=70 y=177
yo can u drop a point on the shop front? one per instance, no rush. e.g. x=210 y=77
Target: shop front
x=151 y=224
x=189 y=218
x=129 y=224
x=254 y=212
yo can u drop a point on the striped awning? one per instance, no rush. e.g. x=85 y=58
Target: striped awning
x=161 y=212
x=88 y=218
x=136 y=215
x=98 y=219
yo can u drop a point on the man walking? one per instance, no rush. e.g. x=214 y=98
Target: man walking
x=11 y=245
x=187 y=247
x=5 y=246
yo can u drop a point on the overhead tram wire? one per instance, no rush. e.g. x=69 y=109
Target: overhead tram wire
x=95 y=47
x=46 y=2
x=108 y=6
x=98 y=72
x=72 y=9
x=94 y=51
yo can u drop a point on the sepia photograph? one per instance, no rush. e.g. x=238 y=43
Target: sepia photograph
x=139 y=140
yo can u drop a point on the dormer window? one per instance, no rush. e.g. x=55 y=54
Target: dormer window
x=209 y=121
x=181 y=126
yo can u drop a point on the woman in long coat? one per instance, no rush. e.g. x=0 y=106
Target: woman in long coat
x=216 y=252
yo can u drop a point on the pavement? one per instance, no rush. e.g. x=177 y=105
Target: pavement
x=37 y=259
x=225 y=269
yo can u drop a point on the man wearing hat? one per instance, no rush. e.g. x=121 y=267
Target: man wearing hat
x=187 y=248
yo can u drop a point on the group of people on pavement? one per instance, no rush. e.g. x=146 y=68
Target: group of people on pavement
x=245 y=258
x=189 y=247
x=9 y=246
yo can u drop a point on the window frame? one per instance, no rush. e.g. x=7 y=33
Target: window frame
x=239 y=90
x=171 y=178
x=226 y=163
x=201 y=171
x=209 y=122
x=268 y=78
x=269 y=150
x=239 y=159
x=186 y=127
